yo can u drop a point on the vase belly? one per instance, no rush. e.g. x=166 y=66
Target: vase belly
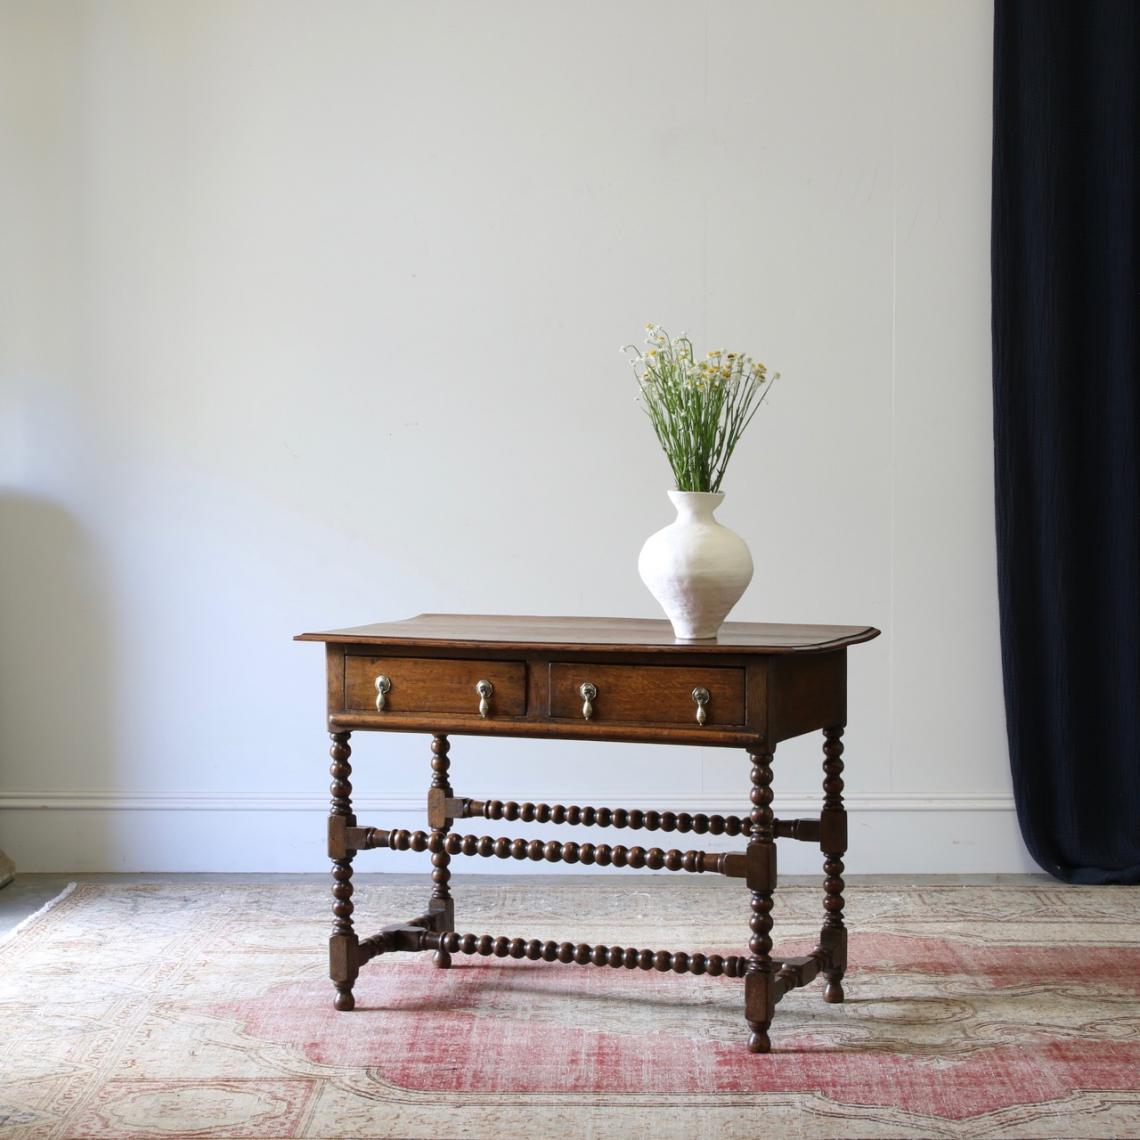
x=696 y=568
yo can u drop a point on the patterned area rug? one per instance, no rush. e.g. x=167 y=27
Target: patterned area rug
x=204 y=1010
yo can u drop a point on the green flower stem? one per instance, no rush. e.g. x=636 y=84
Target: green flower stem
x=699 y=410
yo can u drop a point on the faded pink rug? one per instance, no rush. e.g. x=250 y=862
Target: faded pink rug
x=204 y=1011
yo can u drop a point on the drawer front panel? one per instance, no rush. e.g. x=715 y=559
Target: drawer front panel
x=428 y=684
x=651 y=694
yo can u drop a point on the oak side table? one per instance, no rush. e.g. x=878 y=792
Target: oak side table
x=593 y=679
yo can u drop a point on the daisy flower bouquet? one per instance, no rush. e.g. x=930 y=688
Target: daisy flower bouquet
x=698 y=408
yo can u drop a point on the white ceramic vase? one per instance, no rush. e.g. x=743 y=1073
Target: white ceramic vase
x=695 y=568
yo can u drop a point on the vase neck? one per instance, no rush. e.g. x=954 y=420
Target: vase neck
x=696 y=506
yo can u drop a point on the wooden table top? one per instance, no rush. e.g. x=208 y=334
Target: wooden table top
x=577 y=633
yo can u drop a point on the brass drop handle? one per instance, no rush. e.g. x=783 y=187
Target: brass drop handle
x=484 y=689
x=383 y=687
x=701 y=696
x=587 y=692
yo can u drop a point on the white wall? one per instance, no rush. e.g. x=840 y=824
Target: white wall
x=310 y=316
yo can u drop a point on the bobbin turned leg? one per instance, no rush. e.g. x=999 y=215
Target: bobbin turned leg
x=344 y=957
x=441 y=907
x=833 y=843
x=760 y=870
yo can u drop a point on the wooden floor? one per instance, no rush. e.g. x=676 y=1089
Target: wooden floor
x=28 y=892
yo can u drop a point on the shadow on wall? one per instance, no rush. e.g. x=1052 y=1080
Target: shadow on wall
x=56 y=665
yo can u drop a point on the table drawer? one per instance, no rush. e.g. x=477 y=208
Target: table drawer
x=428 y=684
x=653 y=694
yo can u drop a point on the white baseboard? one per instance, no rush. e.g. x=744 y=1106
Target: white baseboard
x=196 y=831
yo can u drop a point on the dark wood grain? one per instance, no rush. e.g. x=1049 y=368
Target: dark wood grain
x=833 y=840
x=759 y=984
x=551 y=851
x=586 y=954
x=540 y=727
x=765 y=683
x=650 y=635
x=441 y=906
x=343 y=961
x=653 y=694
x=634 y=818
x=804 y=693
x=754 y=696
x=431 y=685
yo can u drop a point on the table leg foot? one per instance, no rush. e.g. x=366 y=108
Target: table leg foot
x=344 y=948
x=760 y=978
x=833 y=840
x=442 y=906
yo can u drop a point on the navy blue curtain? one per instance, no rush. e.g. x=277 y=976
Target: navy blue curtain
x=1067 y=426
